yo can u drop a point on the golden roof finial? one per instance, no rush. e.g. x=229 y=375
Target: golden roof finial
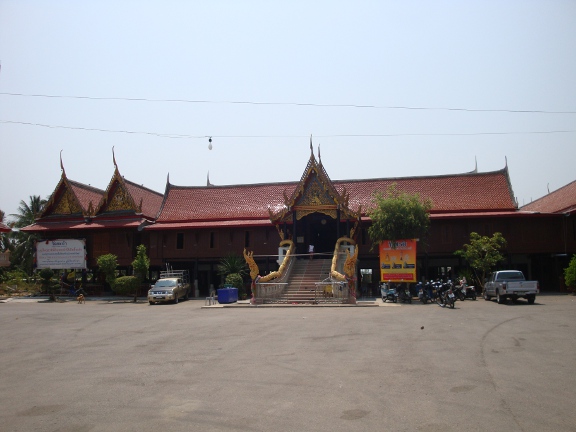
x=61 y=164
x=114 y=159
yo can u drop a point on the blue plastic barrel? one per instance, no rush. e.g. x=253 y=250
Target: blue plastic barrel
x=227 y=295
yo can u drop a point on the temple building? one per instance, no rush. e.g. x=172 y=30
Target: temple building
x=194 y=227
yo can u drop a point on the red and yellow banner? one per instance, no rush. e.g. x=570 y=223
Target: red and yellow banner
x=398 y=264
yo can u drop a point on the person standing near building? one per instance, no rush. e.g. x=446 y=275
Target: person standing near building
x=311 y=250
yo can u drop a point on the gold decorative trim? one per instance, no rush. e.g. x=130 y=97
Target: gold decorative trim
x=67 y=204
x=120 y=200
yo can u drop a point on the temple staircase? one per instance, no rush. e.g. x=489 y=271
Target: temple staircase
x=301 y=286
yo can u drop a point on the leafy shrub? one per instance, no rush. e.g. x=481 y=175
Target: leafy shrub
x=126 y=285
x=236 y=281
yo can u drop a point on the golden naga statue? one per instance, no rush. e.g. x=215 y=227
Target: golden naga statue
x=349 y=265
x=251 y=263
x=254 y=271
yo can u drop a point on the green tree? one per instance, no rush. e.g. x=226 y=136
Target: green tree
x=482 y=254
x=22 y=255
x=570 y=273
x=28 y=212
x=398 y=215
x=107 y=265
x=141 y=264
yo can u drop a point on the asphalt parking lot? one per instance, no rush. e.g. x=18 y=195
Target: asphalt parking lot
x=116 y=366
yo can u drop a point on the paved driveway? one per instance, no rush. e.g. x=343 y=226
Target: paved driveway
x=134 y=367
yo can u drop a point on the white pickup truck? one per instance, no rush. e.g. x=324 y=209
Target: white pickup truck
x=511 y=284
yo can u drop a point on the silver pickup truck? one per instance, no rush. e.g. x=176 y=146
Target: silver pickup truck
x=171 y=287
x=510 y=284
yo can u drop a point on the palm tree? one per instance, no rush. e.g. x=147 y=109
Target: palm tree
x=232 y=264
x=23 y=254
x=27 y=212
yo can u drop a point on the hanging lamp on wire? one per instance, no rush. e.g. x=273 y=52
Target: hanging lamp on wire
x=210 y=143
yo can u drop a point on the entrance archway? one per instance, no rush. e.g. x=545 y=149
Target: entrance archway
x=317 y=229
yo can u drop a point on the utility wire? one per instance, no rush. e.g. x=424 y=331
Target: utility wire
x=163 y=135
x=182 y=136
x=200 y=101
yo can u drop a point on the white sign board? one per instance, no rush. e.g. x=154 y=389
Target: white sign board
x=61 y=254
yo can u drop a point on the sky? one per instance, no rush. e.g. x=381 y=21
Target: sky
x=385 y=89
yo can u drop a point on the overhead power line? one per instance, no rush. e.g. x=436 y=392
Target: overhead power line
x=184 y=136
x=302 y=104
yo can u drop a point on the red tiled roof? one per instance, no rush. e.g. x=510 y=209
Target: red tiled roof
x=86 y=194
x=562 y=200
x=4 y=228
x=151 y=200
x=448 y=193
x=222 y=202
x=472 y=192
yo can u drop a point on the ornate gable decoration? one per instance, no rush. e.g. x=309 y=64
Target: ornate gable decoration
x=117 y=197
x=314 y=193
x=315 y=197
x=68 y=204
x=63 y=200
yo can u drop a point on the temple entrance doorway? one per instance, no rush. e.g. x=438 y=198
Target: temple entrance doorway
x=319 y=230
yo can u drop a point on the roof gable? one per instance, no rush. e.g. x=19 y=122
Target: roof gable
x=122 y=195
x=71 y=198
x=562 y=200
x=117 y=197
x=314 y=193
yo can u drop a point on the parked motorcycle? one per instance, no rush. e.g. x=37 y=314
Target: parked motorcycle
x=404 y=295
x=470 y=292
x=432 y=291
x=465 y=291
x=388 y=292
x=459 y=292
x=446 y=296
x=422 y=293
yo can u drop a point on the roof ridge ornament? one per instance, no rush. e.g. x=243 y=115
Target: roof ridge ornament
x=311 y=148
x=114 y=159
x=62 y=165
